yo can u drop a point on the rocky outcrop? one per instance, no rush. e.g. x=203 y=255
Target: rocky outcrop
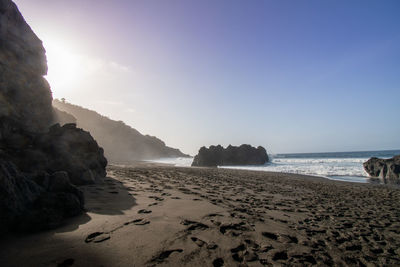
x=66 y=148
x=38 y=174
x=25 y=95
x=121 y=142
x=59 y=200
x=17 y=192
x=36 y=201
x=386 y=169
x=231 y=156
x=39 y=166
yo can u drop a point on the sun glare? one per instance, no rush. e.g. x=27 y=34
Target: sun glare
x=64 y=66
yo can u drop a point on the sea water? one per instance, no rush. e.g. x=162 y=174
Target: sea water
x=343 y=166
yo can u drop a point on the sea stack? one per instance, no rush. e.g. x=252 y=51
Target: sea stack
x=231 y=156
x=388 y=170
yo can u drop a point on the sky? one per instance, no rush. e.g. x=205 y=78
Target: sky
x=292 y=76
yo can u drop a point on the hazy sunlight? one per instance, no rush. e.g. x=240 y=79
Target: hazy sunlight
x=64 y=65
x=200 y=133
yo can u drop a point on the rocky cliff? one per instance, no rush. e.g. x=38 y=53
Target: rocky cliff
x=388 y=170
x=121 y=142
x=40 y=166
x=25 y=96
x=230 y=156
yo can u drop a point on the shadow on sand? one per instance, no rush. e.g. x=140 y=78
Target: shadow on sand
x=108 y=198
x=53 y=247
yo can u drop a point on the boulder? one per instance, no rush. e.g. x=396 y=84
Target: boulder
x=36 y=202
x=66 y=148
x=60 y=199
x=72 y=150
x=230 y=156
x=388 y=170
x=17 y=193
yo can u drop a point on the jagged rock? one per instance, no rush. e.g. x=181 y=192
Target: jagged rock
x=37 y=164
x=58 y=200
x=17 y=192
x=66 y=148
x=60 y=182
x=75 y=151
x=26 y=205
x=231 y=156
x=25 y=95
x=386 y=169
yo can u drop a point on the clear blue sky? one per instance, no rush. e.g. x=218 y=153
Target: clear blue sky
x=293 y=76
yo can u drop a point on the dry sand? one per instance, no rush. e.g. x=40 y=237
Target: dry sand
x=164 y=216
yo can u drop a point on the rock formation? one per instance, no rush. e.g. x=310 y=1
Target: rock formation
x=121 y=142
x=231 y=156
x=39 y=165
x=25 y=94
x=386 y=169
x=66 y=148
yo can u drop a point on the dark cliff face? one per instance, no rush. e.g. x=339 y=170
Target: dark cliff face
x=388 y=170
x=230 y=156
x=25 y=96
x=39 y=166
x=121 y=142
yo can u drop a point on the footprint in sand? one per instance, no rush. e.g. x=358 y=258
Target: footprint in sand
x=246 y=252
x=219 y=262
x=144 y=211
x=252 y=244
x=212 y=246
x=238 y=252
x=165 y=254
x=233 y=226
x=138 y=222
x=97 y=237
x=266 y=248
x=270 y=235
x=156 y=198
x=194 y=225
x=305 y=259
x=198 y=241
x=288 y=239
x=280 y=255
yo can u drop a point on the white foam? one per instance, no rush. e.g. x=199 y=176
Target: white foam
x=178 y=162
x=344 y=169
x=325 y=167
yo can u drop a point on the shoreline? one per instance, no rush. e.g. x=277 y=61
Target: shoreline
x=157 y=215
x=369 y=180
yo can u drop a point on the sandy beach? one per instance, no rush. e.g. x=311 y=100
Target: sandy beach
x=154 y=215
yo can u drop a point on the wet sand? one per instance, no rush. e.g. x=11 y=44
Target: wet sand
x=150 y=215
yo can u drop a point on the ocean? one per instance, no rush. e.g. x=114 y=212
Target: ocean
x=343 y=166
